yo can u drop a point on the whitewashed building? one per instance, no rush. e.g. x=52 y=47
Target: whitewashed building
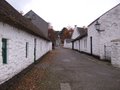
x=75 y=42
x=115 y=53
x=76 y=32
x=80 y=43
x=68 y=43
x=99 y=40
x=21 y=42
x=100 y=34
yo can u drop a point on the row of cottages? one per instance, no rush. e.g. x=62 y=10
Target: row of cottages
x=22 y=42
x=76 y=33
x=67 y=43
x=80 y=43
x=98 y=38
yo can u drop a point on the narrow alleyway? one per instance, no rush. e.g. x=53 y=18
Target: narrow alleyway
x=64 y=69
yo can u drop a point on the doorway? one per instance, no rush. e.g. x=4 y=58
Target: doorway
x=91 y=46
x=4 y=50
x=34 y=49
x=79 y=45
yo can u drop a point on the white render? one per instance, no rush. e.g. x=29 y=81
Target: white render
x=101 y=40
x=67 y=45
x=110 y=23
x=75 y=33
x=92 y=32
x=16 y=59
x=76 y=45
x=115 y=54
x=83 y=44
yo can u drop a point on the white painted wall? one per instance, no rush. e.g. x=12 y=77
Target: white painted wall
x=75 y=33
x=76 y=45
x=115 y=53
x=95 y=40
x=16 y=60
x=110 y=22
x=83 y=44
x=67 y=45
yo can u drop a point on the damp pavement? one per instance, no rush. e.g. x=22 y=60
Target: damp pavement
x=65 y=69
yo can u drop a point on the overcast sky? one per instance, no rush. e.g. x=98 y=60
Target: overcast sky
x=63 y=13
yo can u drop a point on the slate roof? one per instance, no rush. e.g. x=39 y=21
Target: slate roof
x=11 y=16
x=38 y=22
x=83 y=33
x=80 y=30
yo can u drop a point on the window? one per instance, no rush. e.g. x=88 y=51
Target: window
x=4 y=50
x=26 y=49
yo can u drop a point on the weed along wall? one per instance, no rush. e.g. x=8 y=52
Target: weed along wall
x=18 y=50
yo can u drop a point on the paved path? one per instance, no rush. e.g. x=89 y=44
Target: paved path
x=83 y=72
x=65 y=69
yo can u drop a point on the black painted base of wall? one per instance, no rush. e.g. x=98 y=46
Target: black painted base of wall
x=95 y=56
x=14 y=79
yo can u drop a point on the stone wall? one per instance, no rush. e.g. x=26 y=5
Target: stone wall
x=16 y=50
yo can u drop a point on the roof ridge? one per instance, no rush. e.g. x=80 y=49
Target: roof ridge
x=9 y=15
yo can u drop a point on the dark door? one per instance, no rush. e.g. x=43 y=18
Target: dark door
x=79 y=45
x=72 y=45
x=34 y=50
x=4 y=50
x=91 y=50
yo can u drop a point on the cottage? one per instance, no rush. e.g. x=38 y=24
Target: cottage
x=68 y=43
x=76 y=32
x=99 y=35
x=21 y=42
x=80 y=43
x=102 y=31
x=76 y=35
